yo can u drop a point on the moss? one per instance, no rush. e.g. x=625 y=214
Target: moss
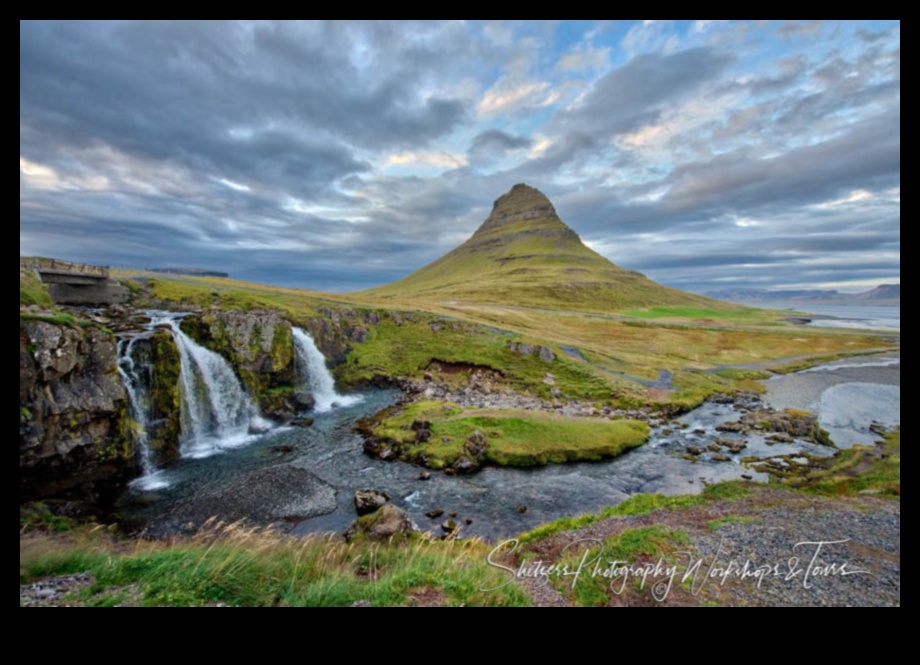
x=515 y=438
x=32 y=292
x=25 y=414
x=165 y=395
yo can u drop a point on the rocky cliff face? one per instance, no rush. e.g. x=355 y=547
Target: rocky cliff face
x=74 y=432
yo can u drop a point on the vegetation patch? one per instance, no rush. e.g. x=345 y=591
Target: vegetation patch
x=235 y=567
x=442 y=436
x=32 y=292
x=862 y=470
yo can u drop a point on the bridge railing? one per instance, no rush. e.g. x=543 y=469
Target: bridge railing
x=63 y=267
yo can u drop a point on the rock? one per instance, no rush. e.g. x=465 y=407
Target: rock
x=547 y=355
x=387 y=524
x=721 y=399
x=425 y=476
x=797 y=424
x=477 y=445
x=435 y=514
x=419 y=425
x=714 y=448
x=780 y=438
x=549 y=380
x=302 y=422
x=359 y=335
x=304 y=401
x=465 y=466
x=454 y=516
x=423 y=436
x=733 y=445
x=746 y=477
x=283 y=450
x=362 y=603
x=699 y=432
x=397 y=319
x=696 y=452
x=449 y=528
x=667 y=432
x=731 y=428
x=370 y=501
x=437 y=328
x=469 y=522
x=522 y=510
x=721 y=458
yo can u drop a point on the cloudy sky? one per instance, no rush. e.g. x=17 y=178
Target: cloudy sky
x=339 y=155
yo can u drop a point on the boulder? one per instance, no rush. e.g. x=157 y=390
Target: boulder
x=304 y=401
x=387 y=524
x=547 y=355
x=368 y=502
x=359 y=335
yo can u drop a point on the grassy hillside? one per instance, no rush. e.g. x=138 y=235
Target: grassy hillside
x=525 y=255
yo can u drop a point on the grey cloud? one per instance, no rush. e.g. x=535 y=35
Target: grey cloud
x=495 y=145
x=633 y=95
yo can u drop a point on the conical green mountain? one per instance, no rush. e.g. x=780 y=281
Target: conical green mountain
x=524 y=255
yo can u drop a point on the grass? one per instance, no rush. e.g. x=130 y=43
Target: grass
x=640 y=505
x=862 y=470
x=732 y=313
x=516 y=438
x=33 y=292
x=236 y=567
x=633 y=547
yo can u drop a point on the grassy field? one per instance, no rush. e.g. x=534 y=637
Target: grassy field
x=598 y=356
x=236 y=567
x=32 y=291
x=516 y=438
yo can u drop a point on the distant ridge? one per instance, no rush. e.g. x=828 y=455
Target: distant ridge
x=189 y=272
x=523 y=254
x=884 y=292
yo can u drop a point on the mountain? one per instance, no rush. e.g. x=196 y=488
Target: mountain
x=746 y=295
x=884 y=292
x=525 y=255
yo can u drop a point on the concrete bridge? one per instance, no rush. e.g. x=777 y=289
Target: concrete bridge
x=77 y=284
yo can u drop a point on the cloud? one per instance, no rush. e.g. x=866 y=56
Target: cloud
x=494 y=145
x=508 y=96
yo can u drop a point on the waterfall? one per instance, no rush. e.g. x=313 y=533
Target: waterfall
x=217 y=412
x=137 y=384
x=314 y=376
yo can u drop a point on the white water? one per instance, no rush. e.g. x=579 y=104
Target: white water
x=135 y=385
x=314 y=376
x=217 y=412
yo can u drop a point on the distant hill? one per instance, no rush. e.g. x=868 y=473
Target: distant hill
x=525 y=255
x=735 y=295
x=884 y=292
x=190 y=272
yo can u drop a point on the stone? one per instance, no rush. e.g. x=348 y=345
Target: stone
x=696 y=452
x=425 y=476
x=423 y=436
x=469 y=522
x=283 y=450
x=454 y=516
x=302 y=422
x=522 y=510
x=549 y=380
x=370 y=501
x=304 y=401
x=477 y=445
x=547 y=355
x=359 y=335
x=714 y=448
x=721 y=458
x=746 y=477
x=780 y=438
x=437 y=328
x=387 y=524
x=450 y=527
x=435 y=514
x=465 y=466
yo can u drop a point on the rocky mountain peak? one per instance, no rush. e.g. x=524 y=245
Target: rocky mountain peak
x=521 y=204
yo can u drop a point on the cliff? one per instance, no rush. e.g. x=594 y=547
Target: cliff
x=74 y=432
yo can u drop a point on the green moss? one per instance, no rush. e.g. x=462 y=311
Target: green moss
x=727 y=521
x=59 y=319
x=516 y=438
x=745 y=375
x=32 y=292
x=25 y=414
x=165 y=396
x=861 y=470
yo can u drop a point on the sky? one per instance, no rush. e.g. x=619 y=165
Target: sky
x=341 y=155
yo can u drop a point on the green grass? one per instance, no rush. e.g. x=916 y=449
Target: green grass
x=33 y=292
x=745 y=375
x=516 y=438
x=727 y=521
x=59 y=319
x=638 y=506
x=240 y=568
x=726 y=313
x=862 y=470
x=633 y=547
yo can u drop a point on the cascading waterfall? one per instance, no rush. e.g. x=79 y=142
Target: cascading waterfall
x=136 y=384
x=314 y=376
x=217 y=412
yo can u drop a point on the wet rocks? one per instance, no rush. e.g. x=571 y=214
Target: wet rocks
x=389 y=524
x=304 y=401
x=796 y=424
x=424 y=477
x=734 y=446
x=449 y=528
x=358 y=335
x=368 y=502
x=475 y=451
x=435 y=514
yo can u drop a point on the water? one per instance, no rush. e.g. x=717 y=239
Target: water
x=315 y=376
x=136 y=382
x=847 y=396
x=842 y=315
x=217 y=412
